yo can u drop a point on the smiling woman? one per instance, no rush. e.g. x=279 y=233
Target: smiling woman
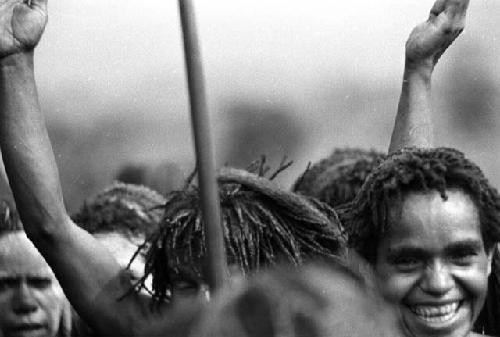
x=427 y=220
x=432 y=262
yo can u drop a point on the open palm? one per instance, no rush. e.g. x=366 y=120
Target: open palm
x=21 y=24
x=429 y=40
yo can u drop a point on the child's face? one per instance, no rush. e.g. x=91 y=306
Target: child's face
x=433 y=265
x=31 y=300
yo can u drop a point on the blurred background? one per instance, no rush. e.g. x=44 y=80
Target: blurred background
x=284 y=78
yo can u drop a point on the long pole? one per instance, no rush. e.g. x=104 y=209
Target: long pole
x=205 y=155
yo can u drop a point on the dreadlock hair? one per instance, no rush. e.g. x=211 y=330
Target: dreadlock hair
x=9 y=219
x=416 y=169
x=262 y=225
x=337 y=179
x=125 y=208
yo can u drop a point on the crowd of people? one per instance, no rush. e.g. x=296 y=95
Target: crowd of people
x=403 y=243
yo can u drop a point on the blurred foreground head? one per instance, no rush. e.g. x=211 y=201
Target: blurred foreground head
x=262 y=225
x=337 y=179
x=32 y=302
x=308 y=301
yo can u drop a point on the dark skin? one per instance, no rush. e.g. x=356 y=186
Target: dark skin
x=90 y=276
x=425 y=45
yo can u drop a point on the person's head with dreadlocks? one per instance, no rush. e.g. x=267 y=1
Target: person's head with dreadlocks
x=337 y=179
x=427 y=220
x=121 y=217
x=32 y=302
x=262 y=225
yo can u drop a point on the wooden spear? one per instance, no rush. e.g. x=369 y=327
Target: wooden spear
x=216 y=264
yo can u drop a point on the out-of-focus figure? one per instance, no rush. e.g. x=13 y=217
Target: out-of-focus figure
x=319 y=300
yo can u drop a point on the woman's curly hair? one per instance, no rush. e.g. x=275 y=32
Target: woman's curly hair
x=337 y=179
x=415 y=169
x=262 y=225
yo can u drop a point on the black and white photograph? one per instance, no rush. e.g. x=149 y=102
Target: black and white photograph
x=237 y=168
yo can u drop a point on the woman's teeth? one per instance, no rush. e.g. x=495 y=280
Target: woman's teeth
x=435 y=313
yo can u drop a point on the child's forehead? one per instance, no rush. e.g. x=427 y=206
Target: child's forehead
x=24 y=273
x=18 y=256
x=24 y=266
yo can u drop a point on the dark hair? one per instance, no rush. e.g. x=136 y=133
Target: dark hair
x=414 y=169
x=337 y=179
x=125 y=208
x=9 y=219
x=262 y=225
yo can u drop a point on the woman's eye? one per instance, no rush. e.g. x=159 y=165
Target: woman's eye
x=407 y=263
x=463 y=258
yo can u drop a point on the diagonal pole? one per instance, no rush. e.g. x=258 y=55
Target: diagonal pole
x=216 y=264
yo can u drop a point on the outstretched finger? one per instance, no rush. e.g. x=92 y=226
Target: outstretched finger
x=438 y=7
x=38 y=4
x=453 y=17
x=456 y=8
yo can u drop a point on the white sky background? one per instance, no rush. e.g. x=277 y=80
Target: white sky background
x=114 y=46
x=100 y=54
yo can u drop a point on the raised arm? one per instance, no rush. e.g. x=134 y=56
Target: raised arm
x=91 y=278
x=425 y=45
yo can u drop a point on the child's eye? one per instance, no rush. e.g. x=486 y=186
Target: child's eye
x=40 y=282
x=3 y=284
x=8 y=283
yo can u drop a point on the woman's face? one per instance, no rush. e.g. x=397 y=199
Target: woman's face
x=433 y=265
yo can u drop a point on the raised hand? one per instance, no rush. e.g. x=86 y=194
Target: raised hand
x=429 y=40
x=22 y=23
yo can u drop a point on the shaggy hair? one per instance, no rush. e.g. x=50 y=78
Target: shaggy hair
x=337 y=179
x=125 y=208
x=262 y=225
x=412 y=169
